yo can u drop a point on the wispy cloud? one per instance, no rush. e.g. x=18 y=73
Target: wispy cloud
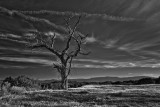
x=120 y=64
x=150 y=75
x=91 y=39
x=138 y=46
x=39 y=24
x=90 y=63
x=143 y=47
x=86 y=15
x=110 y=43
x=93 y=66
x=31 y=20
x=11 y=36
x=125 y=37
x=14 y=66
x=26 y=51
x=29 y=60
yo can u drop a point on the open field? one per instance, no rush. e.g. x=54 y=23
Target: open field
x=88 y=96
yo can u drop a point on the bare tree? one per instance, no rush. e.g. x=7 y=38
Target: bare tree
x=66 y=55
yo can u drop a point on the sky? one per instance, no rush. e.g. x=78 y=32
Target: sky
x=124 y=37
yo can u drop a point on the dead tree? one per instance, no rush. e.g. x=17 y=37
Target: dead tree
x=66 y=55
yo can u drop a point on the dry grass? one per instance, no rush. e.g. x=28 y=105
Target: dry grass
x=88 y=96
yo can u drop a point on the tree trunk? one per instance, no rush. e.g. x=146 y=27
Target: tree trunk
x=64 y=81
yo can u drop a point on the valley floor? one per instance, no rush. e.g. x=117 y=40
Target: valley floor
x=88 y=96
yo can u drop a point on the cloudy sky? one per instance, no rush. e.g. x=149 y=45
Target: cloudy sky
x=124 y=37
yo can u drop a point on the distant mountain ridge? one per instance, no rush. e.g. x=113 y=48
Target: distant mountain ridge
x=103 y=79
x=113 y=79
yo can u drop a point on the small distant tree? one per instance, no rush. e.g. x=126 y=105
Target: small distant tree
x=66 y=55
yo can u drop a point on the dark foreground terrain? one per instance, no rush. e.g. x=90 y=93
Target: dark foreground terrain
x=88 y=96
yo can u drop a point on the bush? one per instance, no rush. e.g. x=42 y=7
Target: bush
x=18 y=85
x=51 y=85
x=5 y=88
x=24 y=81
x=17 y=90
x=9 y=80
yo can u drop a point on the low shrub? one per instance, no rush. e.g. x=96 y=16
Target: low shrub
x=24 y=81
x=17 y=90
x=19 y=85
x=5 y=88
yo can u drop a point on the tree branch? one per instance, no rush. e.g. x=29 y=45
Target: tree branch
x=47 y=47
x=67 y=46
x=71 y=33
x=67 y=24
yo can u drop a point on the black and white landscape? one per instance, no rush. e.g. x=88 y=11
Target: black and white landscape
x=80 y=53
